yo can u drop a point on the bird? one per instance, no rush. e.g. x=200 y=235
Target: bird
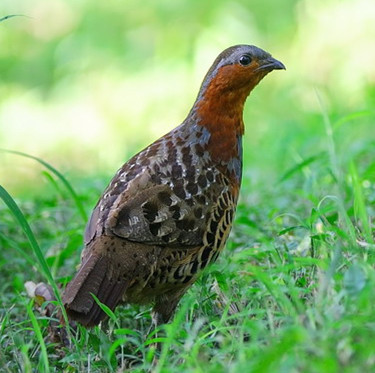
x=168 y=211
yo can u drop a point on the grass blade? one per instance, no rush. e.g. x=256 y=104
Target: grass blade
x=11 y=16
x=105 y=308
x=351 y=117
x=14 y=245
x=359 y=203
x=330 y=142
x=39 y=336
x=299 y=166
x=59 y=175
x=344 y=215
x=17 y=213
x=41 y=261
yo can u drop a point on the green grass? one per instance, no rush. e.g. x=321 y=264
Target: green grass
x=299 y=269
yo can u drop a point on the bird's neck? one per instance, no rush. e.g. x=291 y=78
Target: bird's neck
x=222 y=116
x=219 y=108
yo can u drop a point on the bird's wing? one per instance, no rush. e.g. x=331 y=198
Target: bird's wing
x=158 y=216
x=150 y=212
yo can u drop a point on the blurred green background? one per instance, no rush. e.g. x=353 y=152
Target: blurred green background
x=85 y=84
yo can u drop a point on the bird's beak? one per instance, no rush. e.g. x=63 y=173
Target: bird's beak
x=270 y=64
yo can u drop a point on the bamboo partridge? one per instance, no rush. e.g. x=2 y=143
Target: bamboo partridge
x=168 y=211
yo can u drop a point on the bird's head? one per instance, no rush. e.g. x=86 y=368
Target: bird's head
x=237 y=70
x=219 y=105
x=231 y=78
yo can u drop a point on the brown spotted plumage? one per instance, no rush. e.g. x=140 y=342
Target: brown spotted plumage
x=168 y=211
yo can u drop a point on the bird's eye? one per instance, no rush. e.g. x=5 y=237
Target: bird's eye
x=245 y=60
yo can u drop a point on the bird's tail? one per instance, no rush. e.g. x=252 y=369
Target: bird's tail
x=95 y=277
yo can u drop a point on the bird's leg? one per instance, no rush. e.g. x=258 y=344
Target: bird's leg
x=163 y=310
x=159 y=316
